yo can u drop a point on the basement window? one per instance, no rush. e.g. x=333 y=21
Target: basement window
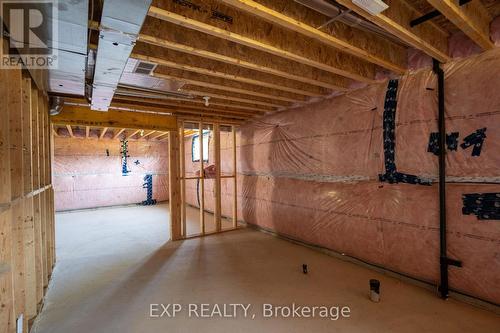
x=195 y=147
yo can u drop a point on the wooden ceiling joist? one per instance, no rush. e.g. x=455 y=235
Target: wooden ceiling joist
x=221 y=84
x=70 y=131
x=188 y=105
x=179 y=108
x=233 y=61
x=145 y=135
x=254 y=84
x=103 y=132
x=154 y=137
x=131 y=134
x=202 y=91
x=308 y=52
x=359 y=43
x=472 y=18
x=118 y=132
x=224 y=100
x=396 y=20
x=299 y=72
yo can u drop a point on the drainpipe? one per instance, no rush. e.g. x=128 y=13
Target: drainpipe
x=444 y=261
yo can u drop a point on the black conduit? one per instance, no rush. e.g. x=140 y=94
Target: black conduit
x=444 y=261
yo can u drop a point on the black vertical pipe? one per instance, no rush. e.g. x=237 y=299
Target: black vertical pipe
x=443 y=259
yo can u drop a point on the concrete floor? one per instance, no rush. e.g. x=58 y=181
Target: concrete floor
x=113 y=263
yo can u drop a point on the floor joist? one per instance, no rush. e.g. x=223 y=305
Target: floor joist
x=305 y=52
x=254 y=84
x=396 y=20
x=472 y=18
x=359 y=43
x=248 y=65
x=225 y=85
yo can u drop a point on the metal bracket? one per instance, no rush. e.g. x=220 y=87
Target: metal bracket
x=433 y=14
x=451 y=262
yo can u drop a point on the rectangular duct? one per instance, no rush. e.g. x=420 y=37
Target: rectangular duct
x=121 y=23
x=71 y=42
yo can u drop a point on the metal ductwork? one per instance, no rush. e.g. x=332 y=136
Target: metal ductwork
x=72 y=25
x=121 y=23
x=336 y=12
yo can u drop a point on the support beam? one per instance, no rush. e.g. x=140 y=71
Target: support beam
x=292 y=47
x=103 y=132
x=235 y=181
x=182 y=175
x=472 y=18
x=217 y=184
x=372 y=48
x=87 y=131
x=396 y=20
x=174 y=186
x=117 y=134
x=54 y=131
x=78 y=115
x=211 y=120
x=201 y=180
x=70 y=131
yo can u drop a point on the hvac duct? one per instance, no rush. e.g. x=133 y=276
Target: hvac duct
x=336 y=12
x=72 y=25
x=121 y=23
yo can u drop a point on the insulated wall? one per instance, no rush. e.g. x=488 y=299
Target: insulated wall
x=88 y=172
x=312 y=173
x=192 y=190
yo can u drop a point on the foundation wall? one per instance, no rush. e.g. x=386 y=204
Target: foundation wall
x=88 y=172
x=312 y=173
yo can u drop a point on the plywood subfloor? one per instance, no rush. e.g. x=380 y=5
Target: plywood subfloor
x=113 y=263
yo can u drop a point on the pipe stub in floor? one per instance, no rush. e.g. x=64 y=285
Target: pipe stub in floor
x=375 y=290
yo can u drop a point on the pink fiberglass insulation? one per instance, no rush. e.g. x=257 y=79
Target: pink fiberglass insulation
x=311 y=173
x=227 y=190
x=459 y=46
x=86 y=177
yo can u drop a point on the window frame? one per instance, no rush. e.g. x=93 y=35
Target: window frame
x=206 y=138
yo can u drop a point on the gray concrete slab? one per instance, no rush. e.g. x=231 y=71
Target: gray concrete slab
x=114 y=263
